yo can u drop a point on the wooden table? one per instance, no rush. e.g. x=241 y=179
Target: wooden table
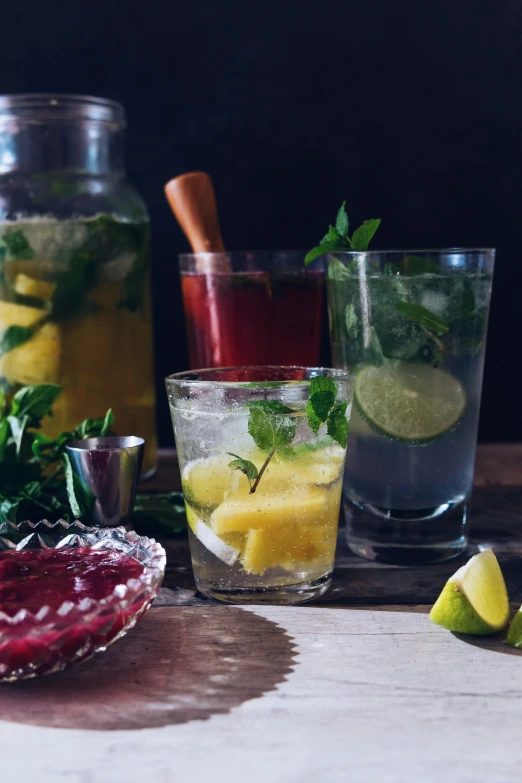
x=357 y=687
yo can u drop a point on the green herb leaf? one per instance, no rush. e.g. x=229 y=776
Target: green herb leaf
x=341 y=221
x=322 y=396
x=351 y=320
x=107 y=423
x=73 y=286
x=17 y=246
x=35 y=401
x=164 y=512
x=245 y=466
x=4 y=435
x=337 y=424
x=81 y=498
x=268 y=428
x=322 y=249
x=420 y=315
x=18 y=425
x=337 y=270
x=12 y=337
x=362 y=237
x=314 y=422
x=71 y=489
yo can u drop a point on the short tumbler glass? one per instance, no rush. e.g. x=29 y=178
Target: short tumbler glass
x=269 y=537
x=262 y=308
x=412 y=327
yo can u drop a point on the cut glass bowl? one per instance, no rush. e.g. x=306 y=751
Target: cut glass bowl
x=46 y=641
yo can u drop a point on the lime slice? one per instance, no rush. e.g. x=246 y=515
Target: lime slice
x=413 y=403
x=228 y=554
x=514 y=636
x=474 y=599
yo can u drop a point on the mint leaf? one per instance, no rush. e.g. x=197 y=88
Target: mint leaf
x=320 y=250
x=17 y=246
x=351 y=319
x=362 y=237
x=270 y=406
x=322 y=396
x=107 y=423
x=18 y=425
x=332 y=236
x=35 y=401
x=423 y=317
x=245 y=466
x=337 y=237
x=164 y=512
x=270 y=429
x=81 y=498
x=341 y=221
x=337 y=424
x=313 y=421
x=337 y=270
x=12 y=337
x=373 y=351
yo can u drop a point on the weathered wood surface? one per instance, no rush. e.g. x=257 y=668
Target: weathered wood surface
x=361 y=687
x=274 y=694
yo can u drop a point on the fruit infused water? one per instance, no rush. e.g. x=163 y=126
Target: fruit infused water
x=262 y=464
x=252 y=308
x=75 y=311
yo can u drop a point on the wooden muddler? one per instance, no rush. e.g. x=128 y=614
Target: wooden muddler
x=192 y=199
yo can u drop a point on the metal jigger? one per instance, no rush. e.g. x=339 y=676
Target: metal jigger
x=109 y=468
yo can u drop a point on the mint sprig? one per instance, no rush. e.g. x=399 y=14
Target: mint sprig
x=338 y=240
x=321 y=408
x=245 y=466
x=423 y=317
x=272 y=426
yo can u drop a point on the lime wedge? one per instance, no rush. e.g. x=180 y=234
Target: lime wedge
x=474 y=599
x=413 y=403
x=514 y=636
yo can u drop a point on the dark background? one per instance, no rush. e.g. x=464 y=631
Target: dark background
x=409 y=110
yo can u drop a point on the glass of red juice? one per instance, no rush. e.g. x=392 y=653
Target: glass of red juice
x=256 y=308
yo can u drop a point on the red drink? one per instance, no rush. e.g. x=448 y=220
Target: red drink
x=256 y=318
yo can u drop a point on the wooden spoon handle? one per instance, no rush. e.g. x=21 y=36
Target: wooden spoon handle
x=192 y=199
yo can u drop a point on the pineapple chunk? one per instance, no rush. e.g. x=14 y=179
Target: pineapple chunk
x=30 y=286
x=288 y=547
x=19 y=315
x=208 y=482
x=37 y=360
x=263 y=510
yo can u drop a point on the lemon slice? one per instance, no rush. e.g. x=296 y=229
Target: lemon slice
x=474 y=600
x=413 y=403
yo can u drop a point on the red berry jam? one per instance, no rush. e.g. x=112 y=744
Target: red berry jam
x=33 y=579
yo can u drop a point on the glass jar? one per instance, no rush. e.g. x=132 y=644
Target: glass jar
x=74 y=264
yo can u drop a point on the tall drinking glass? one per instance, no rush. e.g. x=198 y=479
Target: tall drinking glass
x=262 y=485
x=252 y=308
x=412 y=326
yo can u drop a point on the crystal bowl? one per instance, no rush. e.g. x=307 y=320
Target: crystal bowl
x=46 y=641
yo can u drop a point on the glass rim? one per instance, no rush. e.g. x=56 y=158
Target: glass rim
x=204 y=254
x=439 y=251
x=183 y=379
x=46 y=106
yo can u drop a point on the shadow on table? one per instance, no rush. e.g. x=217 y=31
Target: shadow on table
x=494 y=643
x=179 y=664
